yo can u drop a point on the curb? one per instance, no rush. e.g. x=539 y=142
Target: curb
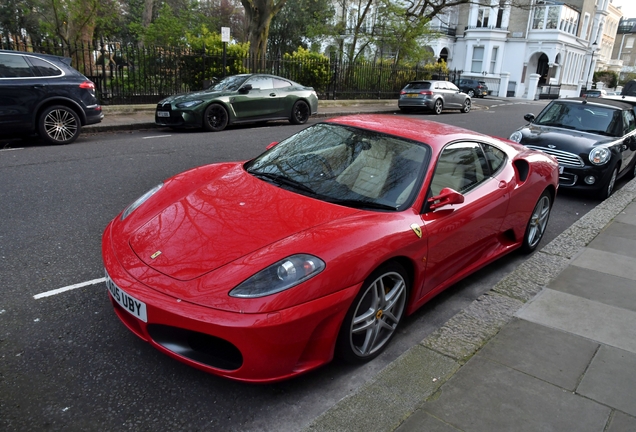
x=397 y=391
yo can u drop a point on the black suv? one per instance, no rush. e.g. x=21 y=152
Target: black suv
x=473 y=88
x=44 y=94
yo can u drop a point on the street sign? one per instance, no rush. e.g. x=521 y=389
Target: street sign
x=225 y=34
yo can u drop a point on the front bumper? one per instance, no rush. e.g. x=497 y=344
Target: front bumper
x=574 y=178
x=178 y=119
x=257 y=348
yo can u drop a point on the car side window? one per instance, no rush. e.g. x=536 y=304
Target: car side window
x=461 y=167
x=43 y=68
x=629 y=123
x=452 y=86
x=14 y=66
x=279 y=83
x=495 y=157
x=261 y=83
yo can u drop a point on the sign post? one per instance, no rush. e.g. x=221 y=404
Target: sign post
x=225 y=38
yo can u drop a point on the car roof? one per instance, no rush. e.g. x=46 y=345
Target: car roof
x=626 y=99
x=609 y=101
x=435 y=134
x=65 y=60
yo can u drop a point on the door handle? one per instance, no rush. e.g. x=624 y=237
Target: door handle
x=502 y=184
x=272 y=94
x=38 y=85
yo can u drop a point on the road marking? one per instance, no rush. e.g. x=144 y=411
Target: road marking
x=68 y=288
x=11 y=149
x=158 y=136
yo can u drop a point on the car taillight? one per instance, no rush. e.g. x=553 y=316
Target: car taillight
x=402 y=92
x=426 y=92
x=87 y=85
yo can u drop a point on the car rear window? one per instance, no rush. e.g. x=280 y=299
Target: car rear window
x=419 y=85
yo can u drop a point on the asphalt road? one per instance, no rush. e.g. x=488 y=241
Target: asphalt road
x=67 y=363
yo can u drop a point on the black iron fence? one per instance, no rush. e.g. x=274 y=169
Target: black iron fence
x=132 y=74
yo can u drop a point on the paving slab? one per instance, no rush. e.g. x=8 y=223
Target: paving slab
x=487 y=396
x=622 y=245
x=622 y=423
x=607 y=262
x=596 y=286
x=611 y=379
x=609 y=325
x=551 y=355
x=422 y=421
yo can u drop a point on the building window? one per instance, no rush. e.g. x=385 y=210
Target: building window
x=629 y=42
x=586 y=23
x=493 y=59
x=478 y=59
x=482 y=17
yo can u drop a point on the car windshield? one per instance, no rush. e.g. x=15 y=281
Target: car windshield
x=345 y=165
x=603 y=120
x=231 y=83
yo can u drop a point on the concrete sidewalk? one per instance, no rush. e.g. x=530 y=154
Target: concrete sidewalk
x=552 y=347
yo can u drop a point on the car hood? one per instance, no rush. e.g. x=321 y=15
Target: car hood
x=203 y=95
x=562 y=139
x=230 y=216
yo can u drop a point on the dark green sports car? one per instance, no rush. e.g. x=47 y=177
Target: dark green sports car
x=239 y=99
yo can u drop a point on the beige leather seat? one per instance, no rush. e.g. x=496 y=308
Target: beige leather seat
x=368 y=173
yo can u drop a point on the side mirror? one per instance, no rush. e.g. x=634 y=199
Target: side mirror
x=270 y=145
x=447 y=196
x=246 y=88
x=529 y=117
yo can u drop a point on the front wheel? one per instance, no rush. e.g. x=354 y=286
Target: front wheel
x=59 y=125
x=538 y=223
x=374 y=314
x=300 y=113
x=215 y=118
x=438 y=107
x=466 y=106
x=608 y=187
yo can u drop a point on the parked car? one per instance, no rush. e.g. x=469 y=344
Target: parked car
x=629 y=89
x=433 y=95
x=43 y=94
x=262 y=270
x=594 y=93
x=473 y=88
x=594 y=141
x=245 y=98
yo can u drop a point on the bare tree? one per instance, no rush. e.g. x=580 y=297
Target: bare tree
x=259 y=14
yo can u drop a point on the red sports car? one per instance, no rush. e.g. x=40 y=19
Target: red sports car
x=262 y=270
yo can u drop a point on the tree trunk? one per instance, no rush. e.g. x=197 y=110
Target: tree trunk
x=259 y=14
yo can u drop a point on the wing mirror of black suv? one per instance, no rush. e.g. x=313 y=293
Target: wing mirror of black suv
x=529 y=117
x=246 y=88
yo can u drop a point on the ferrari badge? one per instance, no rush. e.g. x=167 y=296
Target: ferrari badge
x=156 y=254
x=417 y=230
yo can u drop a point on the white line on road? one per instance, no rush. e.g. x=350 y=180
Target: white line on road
x=158 y=136
x=11 y=149
x=68 y=288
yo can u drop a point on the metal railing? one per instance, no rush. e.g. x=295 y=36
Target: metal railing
x=132 y=74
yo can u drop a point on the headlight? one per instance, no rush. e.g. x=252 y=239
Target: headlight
x=189 y=104
x=280 y=276
x=600 y=155
x=516 y=136
x=139 y=201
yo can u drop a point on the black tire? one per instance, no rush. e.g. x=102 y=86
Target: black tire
x=374 y=315
x=215 y=118
x=59 y=124
x=300 y=113
x=471 y=93
x=466 y=106
x=538 y=222
x=608 y=187
x=438 y=107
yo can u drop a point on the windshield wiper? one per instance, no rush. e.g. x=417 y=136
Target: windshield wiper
x=361 y=204
x=282 y=180
x=557 y=125
x=598 y=132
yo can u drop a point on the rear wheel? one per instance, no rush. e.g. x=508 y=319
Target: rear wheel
x=215 y=118
x=374 y=314
x=438 y=107
x=300 y=113
x=59 y=124
x=537 y=223
x=471 y=93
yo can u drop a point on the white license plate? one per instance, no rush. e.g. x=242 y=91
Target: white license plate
x=163 y=114
x=412 y=95
x=133 y=306
x=560 y=169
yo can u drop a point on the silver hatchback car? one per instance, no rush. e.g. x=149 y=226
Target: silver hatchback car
x=433 y=95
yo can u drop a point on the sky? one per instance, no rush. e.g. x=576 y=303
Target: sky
x=628 y=7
